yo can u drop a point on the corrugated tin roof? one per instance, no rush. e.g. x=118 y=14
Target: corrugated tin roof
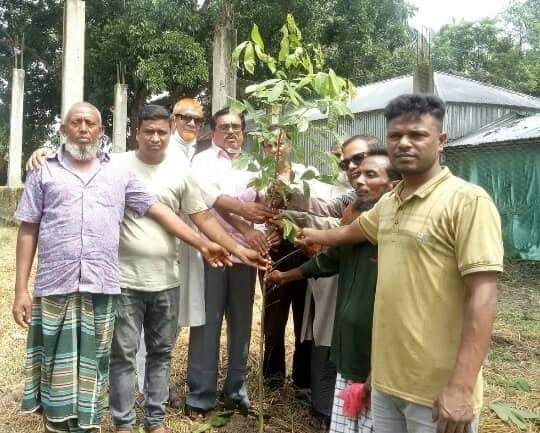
x=450 y=88
x=512 y=127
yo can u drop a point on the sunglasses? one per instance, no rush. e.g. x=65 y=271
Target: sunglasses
x=187 y=118
x=357 y=159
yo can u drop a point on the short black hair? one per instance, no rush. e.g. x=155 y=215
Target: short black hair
x=224 y=112
x=390 y=170
x=415 y=105
x=371 y=141
x=153 y=112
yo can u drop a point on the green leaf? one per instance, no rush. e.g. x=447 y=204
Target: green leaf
x=334 y=84
x=249 y=59
x=296 y=99
x=308 y=174
x=514 y=416
x=284 y=45
x=304 y=82
x=256 y=36
x=303 y=124
x=276 y=91
x=522 y=385
x=237 y=107
x=218 y=421
x=238 y=50
x=272 y=66
x=307 y=189
x=319 y=83
x=289 y=230
x=518 y=384
x=242 y=162
x=201 y=428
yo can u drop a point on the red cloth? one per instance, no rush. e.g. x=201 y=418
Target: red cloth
x=354 y=400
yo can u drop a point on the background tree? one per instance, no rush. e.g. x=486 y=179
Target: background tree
x=363 y=40
x=502 y=51
x=161 y=43
x=166 y=46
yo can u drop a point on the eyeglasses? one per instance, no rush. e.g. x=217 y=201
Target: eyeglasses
x=187 y=118
x=357 y=159
x=224 y=127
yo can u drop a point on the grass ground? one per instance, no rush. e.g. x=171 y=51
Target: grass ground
x=515 y=355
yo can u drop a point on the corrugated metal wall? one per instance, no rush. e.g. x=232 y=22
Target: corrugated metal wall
x=460 y=120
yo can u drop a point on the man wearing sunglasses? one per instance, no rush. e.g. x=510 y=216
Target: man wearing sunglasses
x=188 y=117
x=353 y=151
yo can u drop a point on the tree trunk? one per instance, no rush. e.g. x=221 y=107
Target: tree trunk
x=136 y=106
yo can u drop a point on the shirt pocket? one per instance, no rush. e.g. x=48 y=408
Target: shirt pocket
x=109 y=203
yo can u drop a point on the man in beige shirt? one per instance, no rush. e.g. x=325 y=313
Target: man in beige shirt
x=440 y=251
x=150 y=275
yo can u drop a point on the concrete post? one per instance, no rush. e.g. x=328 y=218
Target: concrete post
x=423 y=79
x=120 y=118
x=223 y=73
x=16 y=129
x=73 y=54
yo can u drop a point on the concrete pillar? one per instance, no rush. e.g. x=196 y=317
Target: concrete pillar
x=423 y=79
x=120 y=118
x=73 y=53
x=223 y=73
x=16 y=129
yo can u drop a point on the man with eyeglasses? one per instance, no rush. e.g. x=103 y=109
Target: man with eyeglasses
x=231 y=292
x=188 y=117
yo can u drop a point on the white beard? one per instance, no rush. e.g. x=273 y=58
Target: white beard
x=82 y=153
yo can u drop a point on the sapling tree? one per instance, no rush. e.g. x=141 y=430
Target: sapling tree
x=298 y=85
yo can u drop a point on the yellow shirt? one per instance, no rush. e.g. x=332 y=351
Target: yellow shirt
x=148 y=255
x=447 y=229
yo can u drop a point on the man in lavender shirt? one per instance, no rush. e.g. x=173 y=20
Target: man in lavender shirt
x=71 y=209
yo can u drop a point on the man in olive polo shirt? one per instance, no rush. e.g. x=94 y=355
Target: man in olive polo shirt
x=440 y=250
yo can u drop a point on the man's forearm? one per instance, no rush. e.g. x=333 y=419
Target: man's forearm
x=292 y=275
x=226 y=205
x=214 y=231
x=480 y=308
x=237 y=222
x=344 y=235
x=174 y=225
x=25 y=251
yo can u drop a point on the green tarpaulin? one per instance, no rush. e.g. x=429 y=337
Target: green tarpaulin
x=511 y=175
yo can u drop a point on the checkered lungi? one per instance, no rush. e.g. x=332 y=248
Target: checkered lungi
x=67 y=361
x=342 y=424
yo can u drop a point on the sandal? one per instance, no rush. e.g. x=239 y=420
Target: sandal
x=195 y=413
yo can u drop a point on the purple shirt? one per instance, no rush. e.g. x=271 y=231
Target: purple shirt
x=79 y=223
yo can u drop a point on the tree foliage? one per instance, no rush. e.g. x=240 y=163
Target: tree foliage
x=503 y=51
x=363 y=40
x=165 y=45
x=299 y=84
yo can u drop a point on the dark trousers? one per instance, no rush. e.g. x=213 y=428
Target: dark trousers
x=229 y=292
x=278 y=302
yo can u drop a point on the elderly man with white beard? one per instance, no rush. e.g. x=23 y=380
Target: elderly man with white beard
x=72 y=208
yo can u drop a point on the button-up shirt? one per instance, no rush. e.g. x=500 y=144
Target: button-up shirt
x=79 y=223
x=213 y=169
x=427 y=243
x=188 y=148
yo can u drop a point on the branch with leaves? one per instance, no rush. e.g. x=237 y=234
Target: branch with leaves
x=297 y=87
